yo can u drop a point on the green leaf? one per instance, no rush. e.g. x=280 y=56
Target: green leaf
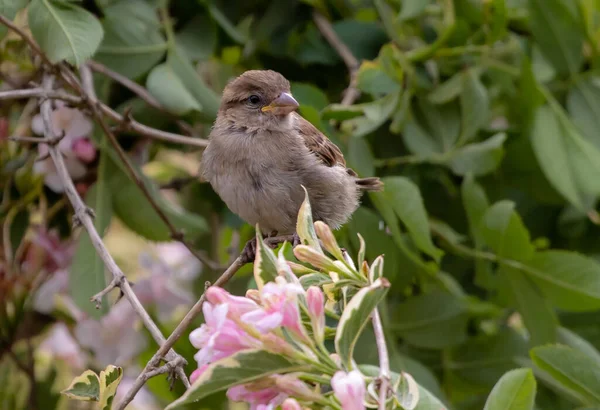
x=132 y=208
x=558 y=34
x=184 y=70
x=572 y=339
x=569 y=280
x=375 y=113
x=537 y=314
x=87 y=272
x=308 y=94
x=434 y=320
x=474 y=105
x=514 y=391
x=372 y=79
x=163 y=84
x=418 y=141
x=442 y=122
x=109 y=382
x=198 y=38
x=85 y=387
x=480 y=158
x=64 y=31
x=412 y=8
x=243 y=367
x=9 y=9
x=570 y=368
x=583 y=103
x=265 y=263
x=569 y=161
x=305 y=227
x=405 y=198
x=235 y=34
x=360 y=158
x=504 y=232
x=356 y=316
x=448 y=90
x=133 y=42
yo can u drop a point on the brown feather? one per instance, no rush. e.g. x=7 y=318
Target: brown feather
x=330 y=154
x=318 y=143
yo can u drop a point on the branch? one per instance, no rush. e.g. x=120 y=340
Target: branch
x=384 y=360
x=324 y=26
x=83 y=217
x=188 y=319
x=90 y=95
x=139 y=91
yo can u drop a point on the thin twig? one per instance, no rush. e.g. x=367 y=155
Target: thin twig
x=324 y=26
x=140 y=92
x=83 y=216
x=187 y=321
x=127 y=122
x=384 y=360
x=25 y=37
x=88 y=88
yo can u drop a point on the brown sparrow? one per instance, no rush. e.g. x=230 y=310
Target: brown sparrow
x=261 y=152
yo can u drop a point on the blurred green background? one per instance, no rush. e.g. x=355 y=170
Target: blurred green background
x=482 y=116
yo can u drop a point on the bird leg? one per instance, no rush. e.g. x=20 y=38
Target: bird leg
x=249 y=252
x=296 y=240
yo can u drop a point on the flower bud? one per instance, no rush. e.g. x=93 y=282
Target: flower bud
x=197 y=373
x=292 y=386
x=326 y=236
x=238 y=305
x=253 y=294
x=291 y=404
x=349 y=388
x=315 y=301
x=314 y=257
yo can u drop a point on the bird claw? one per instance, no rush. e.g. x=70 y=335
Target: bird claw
x=296 y=241
x=249 y=252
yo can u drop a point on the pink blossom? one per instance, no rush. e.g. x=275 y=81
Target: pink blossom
x=280 y=307
x=75 y=146
x=315 y=301
x=220 y=336
x=238 y=305
x=259 y=399
x=291 y=404
x=350 y=390
x=47 y=251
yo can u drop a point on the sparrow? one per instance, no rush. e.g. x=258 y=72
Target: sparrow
x=261 y=153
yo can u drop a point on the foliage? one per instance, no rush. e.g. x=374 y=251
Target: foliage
x=481 y=117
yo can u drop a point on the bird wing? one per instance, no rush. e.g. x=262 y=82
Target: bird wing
x=318 y=143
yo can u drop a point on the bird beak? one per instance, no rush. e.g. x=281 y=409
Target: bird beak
x=282 y=105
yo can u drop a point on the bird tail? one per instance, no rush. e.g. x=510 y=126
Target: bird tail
x=370 y=184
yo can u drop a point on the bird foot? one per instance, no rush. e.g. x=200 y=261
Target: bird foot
x=249 y=252
x=296 y=241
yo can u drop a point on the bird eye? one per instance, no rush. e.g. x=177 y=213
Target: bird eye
x=254 y=99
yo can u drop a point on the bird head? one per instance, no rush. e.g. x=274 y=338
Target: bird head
x=258 y=98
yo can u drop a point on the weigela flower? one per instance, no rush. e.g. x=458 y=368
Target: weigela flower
x=349 y=388
x=220 y=336
x=291 y=404
x=258 y=398
x=75 y=146
x=316 y=309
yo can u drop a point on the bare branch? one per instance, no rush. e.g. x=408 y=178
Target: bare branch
x=324 y=26
x=384 y=360
x=83 y=216
x=140 y=91
x=88 y=88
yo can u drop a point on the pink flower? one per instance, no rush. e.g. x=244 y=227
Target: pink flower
x=279 y=300
x=47 y=251
x=291 y=404
x=315 y=301
x=259 y=399
x=350 y=390
x=238 y=305
x=75 y=146
x=220 y=336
